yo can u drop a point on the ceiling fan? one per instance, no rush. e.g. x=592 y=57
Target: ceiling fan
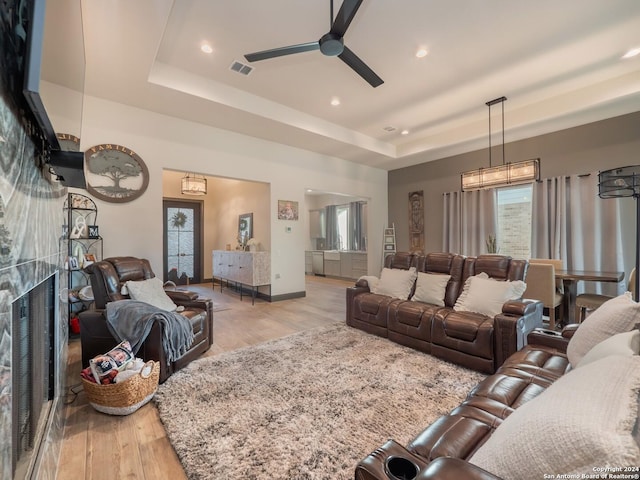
x=330 y=44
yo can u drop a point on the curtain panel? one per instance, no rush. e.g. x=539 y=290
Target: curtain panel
x=469 y=219
x=572 y=223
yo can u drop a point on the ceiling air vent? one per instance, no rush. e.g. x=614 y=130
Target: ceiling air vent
x=242 y=68
x=389 y=128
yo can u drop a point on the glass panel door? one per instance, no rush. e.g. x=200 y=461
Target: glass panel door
x=182 y=242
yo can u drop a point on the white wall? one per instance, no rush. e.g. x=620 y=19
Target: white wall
x=167 y=143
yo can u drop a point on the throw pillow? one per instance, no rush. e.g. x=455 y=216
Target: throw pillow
x=595 y=406
x=627 y=343
x=396 y=282
x=150 y=291
x=431 y=288
x=617 y=315
x=462 y=298
x=486 y=295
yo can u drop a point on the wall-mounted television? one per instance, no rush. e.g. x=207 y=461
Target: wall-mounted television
x=33 y=61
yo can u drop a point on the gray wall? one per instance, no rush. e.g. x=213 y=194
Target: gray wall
x=589 y=148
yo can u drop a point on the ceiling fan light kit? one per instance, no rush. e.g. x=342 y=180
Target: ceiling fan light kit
x=330 y=44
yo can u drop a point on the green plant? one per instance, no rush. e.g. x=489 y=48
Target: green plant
x=492 y=244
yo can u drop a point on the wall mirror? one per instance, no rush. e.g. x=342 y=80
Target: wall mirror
x=245 y=227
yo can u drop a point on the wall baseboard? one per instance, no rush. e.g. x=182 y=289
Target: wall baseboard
x=288 y=296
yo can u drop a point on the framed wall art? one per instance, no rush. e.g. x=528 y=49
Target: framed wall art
x=287 y=210
x=416 y=221
x=115 y=173
x=245 y=228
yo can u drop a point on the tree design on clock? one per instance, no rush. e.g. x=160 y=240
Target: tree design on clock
x=115 y=173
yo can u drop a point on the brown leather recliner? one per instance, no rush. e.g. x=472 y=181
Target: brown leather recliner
x=107 y=278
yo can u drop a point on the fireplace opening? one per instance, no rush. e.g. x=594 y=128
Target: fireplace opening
x=33 y=371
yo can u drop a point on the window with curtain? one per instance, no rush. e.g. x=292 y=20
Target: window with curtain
x=514 y=221
x=568 y=221
x=342 y=212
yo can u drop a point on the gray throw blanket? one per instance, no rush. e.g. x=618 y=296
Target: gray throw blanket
x=132 y=320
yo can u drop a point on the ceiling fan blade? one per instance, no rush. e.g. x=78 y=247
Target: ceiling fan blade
x=345 y=15
x=279 y=52
x=361 y=68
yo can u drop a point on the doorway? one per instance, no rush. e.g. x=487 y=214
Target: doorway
x=182 y=227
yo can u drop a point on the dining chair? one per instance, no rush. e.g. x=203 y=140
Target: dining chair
x=557 y=265
x=541 y=285
x=591 y=301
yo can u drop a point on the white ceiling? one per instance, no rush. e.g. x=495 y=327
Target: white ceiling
x=558 y=63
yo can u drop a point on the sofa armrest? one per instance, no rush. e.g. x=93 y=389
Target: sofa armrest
x=569 y=330
x=518 y=318
x=548 y=338
x=352 y=292
x=374 y=466
x=181 y=295
x=449 y=468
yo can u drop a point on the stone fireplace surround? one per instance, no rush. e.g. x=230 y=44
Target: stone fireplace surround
x=30 y=224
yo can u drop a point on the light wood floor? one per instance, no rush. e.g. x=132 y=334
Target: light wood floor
x=98 y=446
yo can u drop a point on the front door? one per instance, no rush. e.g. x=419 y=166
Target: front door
x=182 y=241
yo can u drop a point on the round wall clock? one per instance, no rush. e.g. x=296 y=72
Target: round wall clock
x=68 y=142
x=115 y=173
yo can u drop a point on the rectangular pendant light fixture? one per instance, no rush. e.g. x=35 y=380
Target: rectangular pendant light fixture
x=506 y=174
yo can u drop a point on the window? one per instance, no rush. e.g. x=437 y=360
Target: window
x=342 y=213
x=514 y=221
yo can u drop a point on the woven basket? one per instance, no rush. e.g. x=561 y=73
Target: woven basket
x=126 y=397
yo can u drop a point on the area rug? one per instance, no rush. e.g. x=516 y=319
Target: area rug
x=307 y=406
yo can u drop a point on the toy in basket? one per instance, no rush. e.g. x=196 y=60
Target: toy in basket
x=119 y=397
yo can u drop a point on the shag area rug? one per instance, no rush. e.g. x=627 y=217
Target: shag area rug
x=307 y=406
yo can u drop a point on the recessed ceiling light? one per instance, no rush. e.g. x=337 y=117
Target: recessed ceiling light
x=335 y=101
x=206 y=48
x=632 y=53
x=421 y=52
x=404 y=132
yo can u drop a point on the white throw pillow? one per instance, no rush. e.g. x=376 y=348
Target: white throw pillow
x=595 y=406
x=431 y=288
x=486 y=295
x=396 y=283
x=150 y=291
x=617 y=315
x=627 y=343
x=462 y=298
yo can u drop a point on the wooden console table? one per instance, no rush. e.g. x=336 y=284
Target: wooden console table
x=252 y=269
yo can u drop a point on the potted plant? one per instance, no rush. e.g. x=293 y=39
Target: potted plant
x=492 y=244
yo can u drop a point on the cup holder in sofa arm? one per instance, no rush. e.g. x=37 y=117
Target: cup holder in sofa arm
x=400 y=468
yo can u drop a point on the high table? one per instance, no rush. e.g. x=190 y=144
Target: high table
x=570 y=279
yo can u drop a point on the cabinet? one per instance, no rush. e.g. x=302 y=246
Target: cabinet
x=332 y=263
x=81 y=245
x=252 y=269
x=308 y=263
x=351 y=265
x=358 y=265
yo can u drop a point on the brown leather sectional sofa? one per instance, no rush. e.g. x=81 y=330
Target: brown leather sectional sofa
x=469 y=339
x=442 y=449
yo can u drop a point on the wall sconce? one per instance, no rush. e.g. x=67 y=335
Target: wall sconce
x=505 y=174
x=193 y=184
